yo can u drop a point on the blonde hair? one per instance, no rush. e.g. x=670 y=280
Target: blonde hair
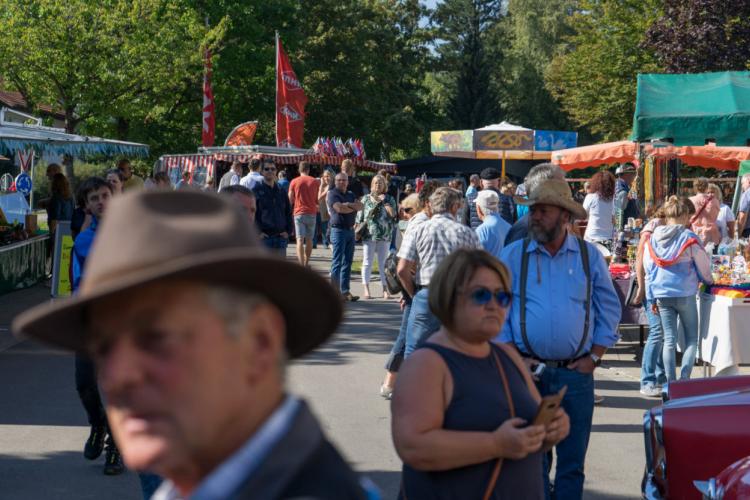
x=700 y=185
x=452 y=275
x=716 y=190
x=378 y=178
x=676 y=207
x=412 y=201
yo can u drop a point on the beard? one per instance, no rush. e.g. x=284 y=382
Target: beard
x=542 y=235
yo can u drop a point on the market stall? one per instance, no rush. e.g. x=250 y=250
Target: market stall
x=725 y=310
x=208 y=162
x=502 y=141
x=22 y=264
x=23 y=251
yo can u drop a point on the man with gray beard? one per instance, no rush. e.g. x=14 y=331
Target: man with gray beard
x=563 y=317
x=536 y=176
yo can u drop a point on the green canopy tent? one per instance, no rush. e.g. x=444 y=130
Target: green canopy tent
x=693 y=109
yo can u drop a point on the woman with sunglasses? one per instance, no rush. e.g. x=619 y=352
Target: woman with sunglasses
x=463 y=405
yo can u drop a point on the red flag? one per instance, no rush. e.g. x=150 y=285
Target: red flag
x=209 y=116
x=290 y=102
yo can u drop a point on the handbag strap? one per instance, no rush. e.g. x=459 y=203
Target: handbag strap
x=511 y=408
x=707 y=201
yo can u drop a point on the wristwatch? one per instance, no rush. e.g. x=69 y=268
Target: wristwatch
x=596 y=359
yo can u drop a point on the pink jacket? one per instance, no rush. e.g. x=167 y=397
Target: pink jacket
x=707 y=210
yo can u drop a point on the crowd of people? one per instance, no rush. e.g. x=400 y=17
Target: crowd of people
x=487 y=276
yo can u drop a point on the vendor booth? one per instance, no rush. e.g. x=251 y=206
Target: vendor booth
x=215 y=161
x=22 y=246
x=699 y=120
x=502 y=142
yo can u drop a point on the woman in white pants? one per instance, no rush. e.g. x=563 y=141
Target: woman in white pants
x=379 y=212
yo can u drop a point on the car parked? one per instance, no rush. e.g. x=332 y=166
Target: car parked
x=733 y=483
x=702 y=427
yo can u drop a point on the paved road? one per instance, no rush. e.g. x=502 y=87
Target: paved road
x=43 y=427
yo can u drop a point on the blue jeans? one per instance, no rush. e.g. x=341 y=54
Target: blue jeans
x=571 y=451
x=277 y=244
x=421 y=324
x=396 y=357
x=685 y=308
x=652 y=363
x=343 y=255
x=324 y=232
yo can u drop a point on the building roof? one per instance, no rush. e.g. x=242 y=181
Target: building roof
x=15 y=100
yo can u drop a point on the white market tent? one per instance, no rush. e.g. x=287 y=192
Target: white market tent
x=504 y=127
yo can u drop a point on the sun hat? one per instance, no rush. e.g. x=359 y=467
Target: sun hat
x=625 y=168
x=555 y=192
x=151 y=236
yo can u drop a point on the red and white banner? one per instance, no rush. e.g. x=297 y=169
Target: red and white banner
x=209 y=117
x=290 y=102
x=25 y=160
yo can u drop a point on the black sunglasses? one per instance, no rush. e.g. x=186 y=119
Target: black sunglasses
x=269 y=169
x=408 y=210
x=482 y=296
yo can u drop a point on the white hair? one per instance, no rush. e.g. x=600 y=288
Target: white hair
x=235 y=308
x=488 y=201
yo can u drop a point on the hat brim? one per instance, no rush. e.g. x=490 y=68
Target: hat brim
x=311 y=307
x=570 y=205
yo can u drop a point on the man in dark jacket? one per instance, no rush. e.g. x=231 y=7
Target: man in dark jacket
x=274 y=215
x=191 y=340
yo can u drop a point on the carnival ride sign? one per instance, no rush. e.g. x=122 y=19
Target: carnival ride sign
x=451 y=140
x=503 y=140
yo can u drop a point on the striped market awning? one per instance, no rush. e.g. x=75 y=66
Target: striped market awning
x=191 y=163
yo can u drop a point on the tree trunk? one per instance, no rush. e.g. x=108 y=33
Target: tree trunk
x=70 y=126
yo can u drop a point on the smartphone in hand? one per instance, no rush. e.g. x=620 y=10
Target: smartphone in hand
x=548 y=407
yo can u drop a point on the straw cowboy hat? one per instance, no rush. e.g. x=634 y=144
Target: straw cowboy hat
x=152 y=236
x=554 y=192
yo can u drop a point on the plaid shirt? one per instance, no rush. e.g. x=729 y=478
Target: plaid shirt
x=431 y=242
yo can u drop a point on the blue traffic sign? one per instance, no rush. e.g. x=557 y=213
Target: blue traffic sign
x=23 y=183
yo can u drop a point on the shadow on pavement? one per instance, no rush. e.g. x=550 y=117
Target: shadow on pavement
x=389 y=482
x=598 y=495
x=617 y=385
x=632 y=403
x=619 y=428
x=36 y=396
x=368 y=327
x=64 y=475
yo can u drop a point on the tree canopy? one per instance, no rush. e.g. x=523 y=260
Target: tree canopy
x=387 y=71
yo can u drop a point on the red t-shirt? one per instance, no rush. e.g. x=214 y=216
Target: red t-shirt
x=304 y=191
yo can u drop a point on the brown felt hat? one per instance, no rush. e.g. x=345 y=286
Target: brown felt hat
x=555 y=192
x=148 y=237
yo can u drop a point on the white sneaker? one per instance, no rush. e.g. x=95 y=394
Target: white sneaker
x=386 y=392
x=651 y=391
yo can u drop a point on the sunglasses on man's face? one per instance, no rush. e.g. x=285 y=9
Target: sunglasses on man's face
x=482 y=296
x=269 y=169
x=407 y=210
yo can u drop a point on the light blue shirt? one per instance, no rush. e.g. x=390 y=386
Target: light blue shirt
x=492 y=232
x=555 y=300
x=227 y=478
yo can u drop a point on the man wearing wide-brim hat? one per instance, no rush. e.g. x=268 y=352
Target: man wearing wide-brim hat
x=563 y=317
x=190 y=322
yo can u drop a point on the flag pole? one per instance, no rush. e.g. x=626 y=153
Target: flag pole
x=276 y=90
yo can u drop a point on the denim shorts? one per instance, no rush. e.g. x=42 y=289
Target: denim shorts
x=304 y=226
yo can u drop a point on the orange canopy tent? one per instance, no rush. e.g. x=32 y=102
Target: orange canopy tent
x=721 y=158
